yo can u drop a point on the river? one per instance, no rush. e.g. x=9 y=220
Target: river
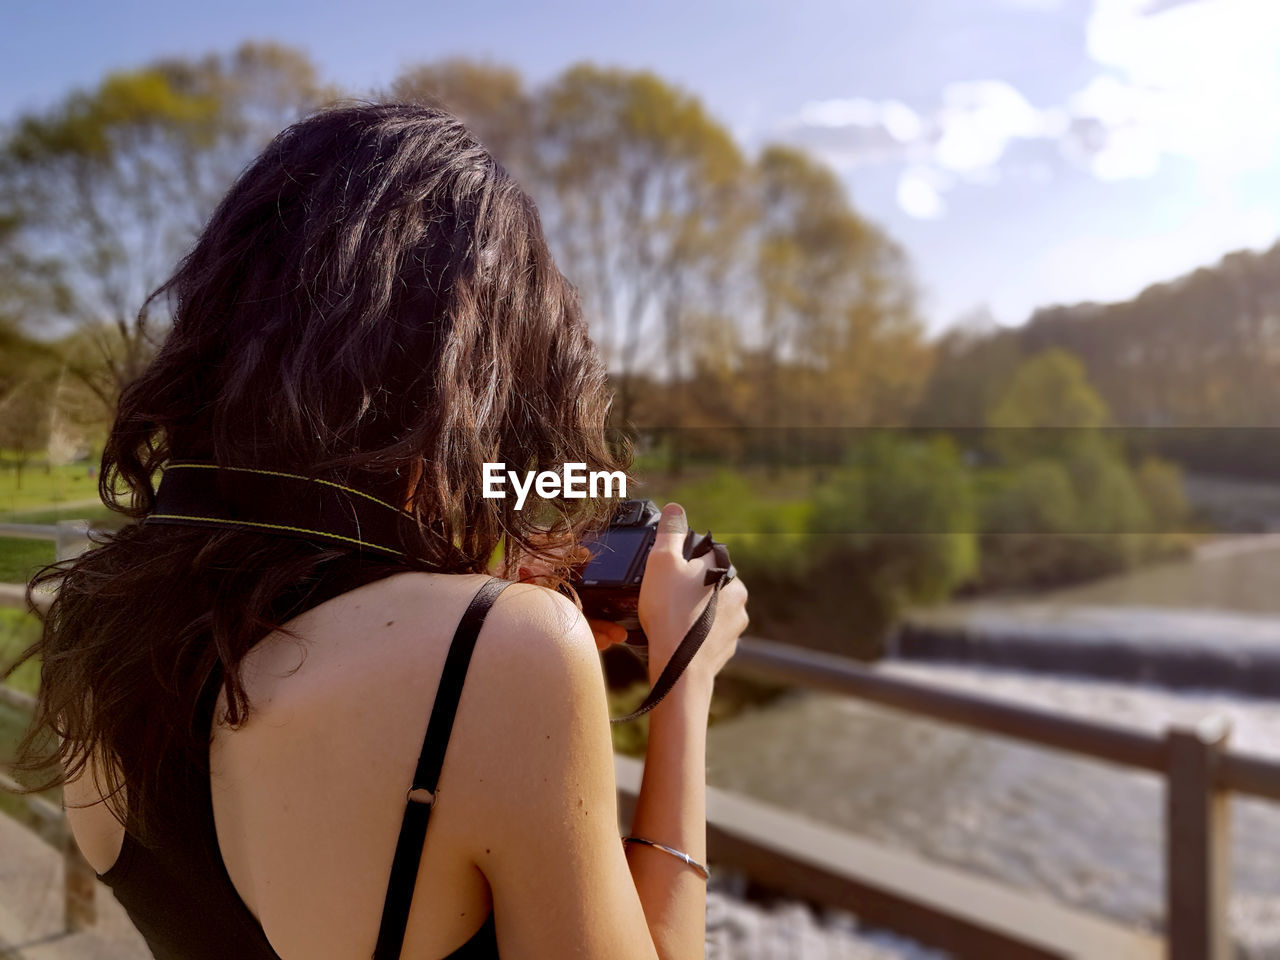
x=1082 y=832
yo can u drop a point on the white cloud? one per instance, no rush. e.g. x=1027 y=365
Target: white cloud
x=1199 y=79
x=903 y=123
x=978 y=119
x=893 y=116
x=1130 y=154
x=965 y=136
x=854 y=112
x=919 y=193
x=1196 y=79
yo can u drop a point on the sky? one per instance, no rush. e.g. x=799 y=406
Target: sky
x=1023 y=152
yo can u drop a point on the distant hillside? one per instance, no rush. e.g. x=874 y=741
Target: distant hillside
x=1200 y=353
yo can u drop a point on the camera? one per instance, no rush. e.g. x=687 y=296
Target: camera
x=608 y=584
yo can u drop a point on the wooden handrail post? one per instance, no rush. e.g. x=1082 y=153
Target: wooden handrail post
x=72 y=539
x=79 y=881
x=79 y=884
x=1197 y=844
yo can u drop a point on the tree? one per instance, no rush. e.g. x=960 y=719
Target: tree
x=108 y=187
x=489 y=98
x=28 y=372
x=640 y=190
x=1066 y=506
x=893 y=527
x=1048 y=408
x=837 y=303
x=974 y=361
x=648 y=209
x=1200 y=351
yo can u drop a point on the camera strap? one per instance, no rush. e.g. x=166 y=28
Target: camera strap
x=197 y=493
x=716 y=578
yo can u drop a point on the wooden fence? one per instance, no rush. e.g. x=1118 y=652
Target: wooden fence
x=70 y=537
x=1200 y=775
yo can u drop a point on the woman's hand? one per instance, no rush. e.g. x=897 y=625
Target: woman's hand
x=607 y=633
x=673 y=594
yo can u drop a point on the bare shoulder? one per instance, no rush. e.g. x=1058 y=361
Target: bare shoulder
x=535 y=770
x=538 y=663
x=365 y=668
x=533 y=724
x=529 y=627
x=384 y=646
x=535 y=664
x=393 y=635
x=528 y=789
x=531 y=623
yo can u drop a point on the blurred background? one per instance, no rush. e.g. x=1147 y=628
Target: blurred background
x=958 y=319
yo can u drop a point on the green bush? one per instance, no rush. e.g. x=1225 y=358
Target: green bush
x=1036 y=497
x=1161 y=484
x=892 y=526
x=766 y=528
x=1066 y=506
x=1050 y=522
x=909 y=503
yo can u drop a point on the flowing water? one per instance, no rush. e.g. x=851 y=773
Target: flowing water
x=1080 y=831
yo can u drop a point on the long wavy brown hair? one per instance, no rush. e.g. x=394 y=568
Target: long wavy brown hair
x=373 y=303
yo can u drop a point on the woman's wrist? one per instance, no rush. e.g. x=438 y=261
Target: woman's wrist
x=656 y=664
x=690 y=697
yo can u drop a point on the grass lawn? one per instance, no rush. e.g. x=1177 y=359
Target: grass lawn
x=40 y=487
x=96 y=514
x=17 y=630
x=20 y=559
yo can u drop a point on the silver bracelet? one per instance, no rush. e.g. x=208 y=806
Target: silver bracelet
x=671 y=850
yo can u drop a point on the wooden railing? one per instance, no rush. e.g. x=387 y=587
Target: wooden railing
x=70 y=538
x=1199 y=772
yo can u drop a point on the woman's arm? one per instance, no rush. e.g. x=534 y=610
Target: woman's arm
x=545 y=818
x=672 y=809
x=672 y=806
x=562 y=883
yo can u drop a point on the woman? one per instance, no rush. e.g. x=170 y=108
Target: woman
x=370 y=315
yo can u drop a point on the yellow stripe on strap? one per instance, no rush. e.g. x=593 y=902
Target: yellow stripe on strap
x=277 y=526
x=292 y=476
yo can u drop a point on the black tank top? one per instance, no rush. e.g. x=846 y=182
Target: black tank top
x=176 y=888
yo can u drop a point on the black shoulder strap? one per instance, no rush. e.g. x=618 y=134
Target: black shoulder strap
x=421 y=793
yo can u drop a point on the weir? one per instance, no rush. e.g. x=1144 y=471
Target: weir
x=1175 y=648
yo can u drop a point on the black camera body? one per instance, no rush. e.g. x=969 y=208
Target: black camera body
x=609 y=583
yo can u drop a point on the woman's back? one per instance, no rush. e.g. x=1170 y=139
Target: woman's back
x=311 y=791
x=307 y=797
